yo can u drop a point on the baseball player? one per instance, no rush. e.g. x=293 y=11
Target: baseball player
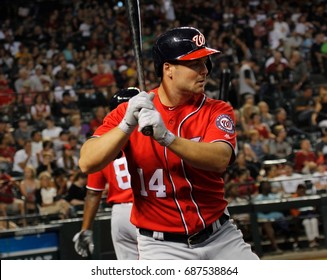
x=176 y=174
x=120 y=197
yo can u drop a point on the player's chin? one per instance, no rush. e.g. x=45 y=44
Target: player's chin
x=199 y=88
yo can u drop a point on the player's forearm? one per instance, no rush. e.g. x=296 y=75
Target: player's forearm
x=206 y=156
x=92 y=202
x=97 y=152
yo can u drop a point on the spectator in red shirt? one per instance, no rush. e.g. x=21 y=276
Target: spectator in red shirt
x=95 y=42
x=256 y=123
x=100 y=113
x=7 y=152
x=6 y=93
x=274 y=61
x=246 y=184
x=103 y=78
x=8 y=199
x=305 y=158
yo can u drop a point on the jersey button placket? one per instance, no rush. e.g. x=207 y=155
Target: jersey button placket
x=171 y=124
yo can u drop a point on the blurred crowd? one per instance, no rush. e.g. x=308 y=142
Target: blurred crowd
x=61 y=61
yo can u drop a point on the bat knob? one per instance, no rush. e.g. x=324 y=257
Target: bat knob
x=147 y=131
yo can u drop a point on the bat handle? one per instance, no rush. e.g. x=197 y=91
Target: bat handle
x=147 y=130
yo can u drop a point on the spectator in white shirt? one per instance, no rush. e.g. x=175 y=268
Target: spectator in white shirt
x=290 y=180
x=319 y=178
x=51 y=131
x=23 y=77
x=35 y=78
x=61 y=88
x=22 y=158
x=37 y=144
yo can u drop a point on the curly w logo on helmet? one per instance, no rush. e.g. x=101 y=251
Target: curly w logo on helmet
x=199 y=40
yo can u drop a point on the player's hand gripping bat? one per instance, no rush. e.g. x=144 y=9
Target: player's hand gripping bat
x=133 y=11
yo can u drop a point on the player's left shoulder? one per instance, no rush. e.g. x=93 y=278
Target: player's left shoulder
x=216 y=103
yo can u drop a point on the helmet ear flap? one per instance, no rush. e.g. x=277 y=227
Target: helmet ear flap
x=158 y=62
x=121 y=96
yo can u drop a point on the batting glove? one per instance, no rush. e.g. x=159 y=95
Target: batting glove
x=160 y=133
x=135 y=104
x=84 y=243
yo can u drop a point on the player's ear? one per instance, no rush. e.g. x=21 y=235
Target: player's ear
x=167 y=69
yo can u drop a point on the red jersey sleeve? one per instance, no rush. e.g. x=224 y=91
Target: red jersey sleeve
x=96 y=181
x=221 y=126
x=111 y=120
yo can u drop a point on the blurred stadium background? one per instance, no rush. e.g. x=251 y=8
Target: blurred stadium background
x=40 y=25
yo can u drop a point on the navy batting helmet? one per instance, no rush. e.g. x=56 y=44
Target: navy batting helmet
x=121 y=96
x=182 y=43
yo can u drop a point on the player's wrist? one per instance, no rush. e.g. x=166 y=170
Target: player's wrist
x=166 y=139
x=87 y=232
x=87 y=236
x=126 y=127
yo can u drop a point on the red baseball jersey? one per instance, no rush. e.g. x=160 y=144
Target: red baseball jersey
x=169 y=194
x=117 y=176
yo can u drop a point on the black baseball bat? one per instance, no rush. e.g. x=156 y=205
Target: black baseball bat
x=224 y=84
x=133 y=12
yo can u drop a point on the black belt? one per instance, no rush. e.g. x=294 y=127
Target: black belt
x=192 y=239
